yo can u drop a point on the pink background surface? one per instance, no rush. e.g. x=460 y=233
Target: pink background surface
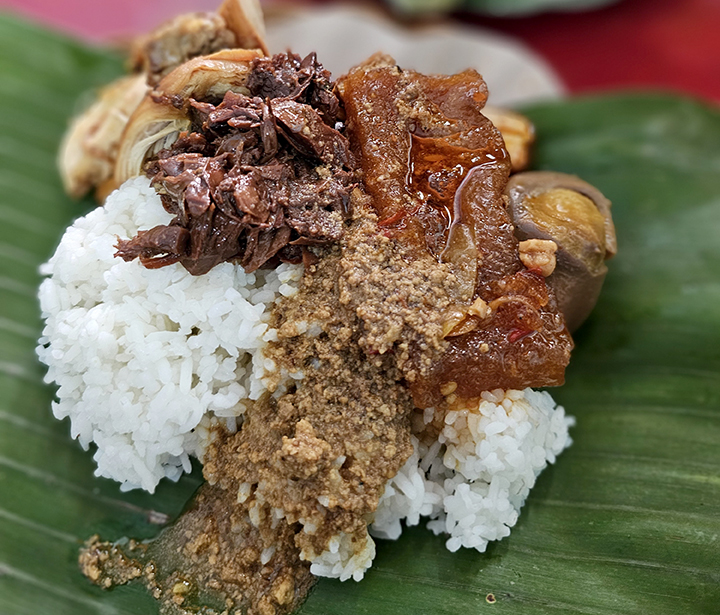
x=667 y=44
x=102 y=20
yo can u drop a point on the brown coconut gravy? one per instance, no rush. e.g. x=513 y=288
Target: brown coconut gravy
x=423 y=294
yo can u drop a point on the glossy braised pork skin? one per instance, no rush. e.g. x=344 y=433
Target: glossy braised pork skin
x=436 y=169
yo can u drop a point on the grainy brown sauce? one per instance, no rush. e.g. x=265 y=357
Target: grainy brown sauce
x=368 y=329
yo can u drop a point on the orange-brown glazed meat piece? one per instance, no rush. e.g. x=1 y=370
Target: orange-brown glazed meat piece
x=435 y=169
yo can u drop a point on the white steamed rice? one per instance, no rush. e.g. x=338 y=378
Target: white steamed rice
x=473 y=481
x=147 y=360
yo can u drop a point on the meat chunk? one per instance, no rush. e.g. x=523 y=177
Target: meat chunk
x=538 y=254
x=304 y=129
x=436 y=169
x=157 y=247
x=305 y=81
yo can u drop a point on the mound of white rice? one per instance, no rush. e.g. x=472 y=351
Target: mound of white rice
x=470 y=484
x=147 y=360
x=473 y=481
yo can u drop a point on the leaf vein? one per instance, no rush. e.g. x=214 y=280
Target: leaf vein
x=38 y=527
x=48 y=478
x=6 y=569
x=623 y=561
x=620 y=508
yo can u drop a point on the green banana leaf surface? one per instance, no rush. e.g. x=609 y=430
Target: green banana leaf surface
x=626 y=522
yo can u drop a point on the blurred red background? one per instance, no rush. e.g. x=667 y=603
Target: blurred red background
x=658 y=44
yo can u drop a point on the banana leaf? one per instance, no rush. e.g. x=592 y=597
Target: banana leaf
x=626 y=522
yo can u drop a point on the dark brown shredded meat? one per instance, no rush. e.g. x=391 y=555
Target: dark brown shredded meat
x=258 y=177
x=286 y=76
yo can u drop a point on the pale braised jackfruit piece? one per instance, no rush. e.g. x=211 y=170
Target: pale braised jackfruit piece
x=89 y=152
x=163 y=115
x=89 y=148
x=518 y=133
